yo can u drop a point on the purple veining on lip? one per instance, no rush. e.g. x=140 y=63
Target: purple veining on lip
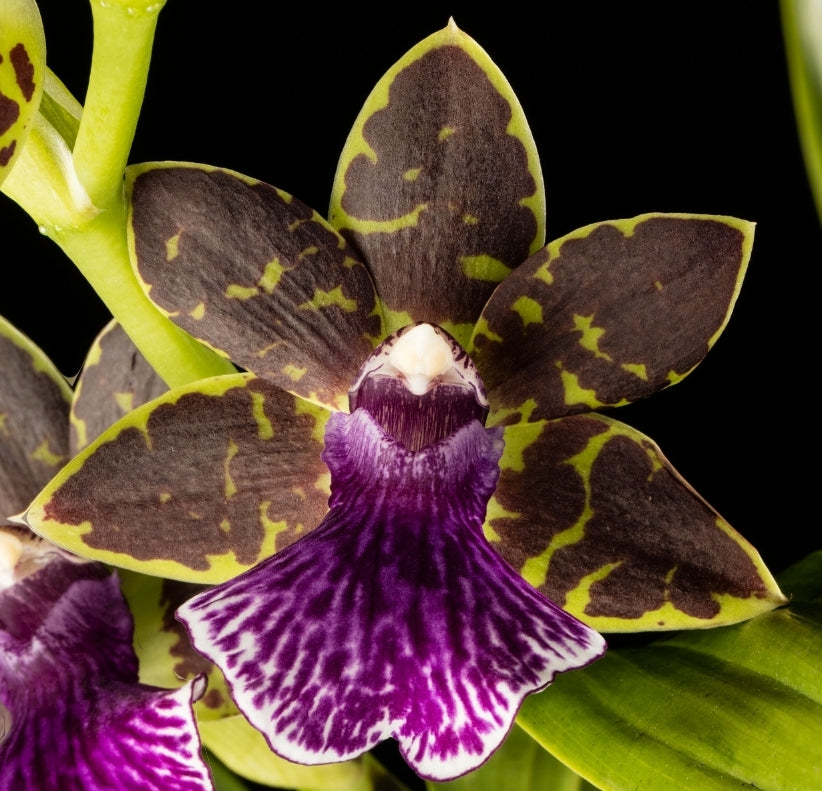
x=394 y=618
x=74 y=716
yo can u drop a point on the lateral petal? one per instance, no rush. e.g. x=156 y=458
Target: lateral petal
x=592 y=514
x=255 y=274
x=610 y=313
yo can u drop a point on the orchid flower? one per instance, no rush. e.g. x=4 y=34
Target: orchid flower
x=72 y=712
x=455 y=568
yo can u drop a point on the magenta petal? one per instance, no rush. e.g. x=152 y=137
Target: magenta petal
x=394 y=618
x=75 y=716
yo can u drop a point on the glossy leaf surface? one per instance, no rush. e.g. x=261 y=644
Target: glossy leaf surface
x=219 y=499
x=710 y=709
x=254 y=273
x=520 y=764
x=439 y=184
x=610 y=313
x=593 y=515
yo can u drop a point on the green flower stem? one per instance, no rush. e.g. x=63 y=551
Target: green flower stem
x=99 y=249
x=123 y=39
x=75 y=192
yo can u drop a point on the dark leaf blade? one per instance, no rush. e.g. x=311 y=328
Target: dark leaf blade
x=439 y=184
x=593 y=515
x=255 y=274
x=737 y=707
x=610 y=313
x=34 y=413
x=198 y=485
x=115 y=379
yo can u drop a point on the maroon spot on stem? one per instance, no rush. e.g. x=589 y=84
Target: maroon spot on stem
x=23 y=70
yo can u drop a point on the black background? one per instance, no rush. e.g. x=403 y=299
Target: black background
x=635 y=107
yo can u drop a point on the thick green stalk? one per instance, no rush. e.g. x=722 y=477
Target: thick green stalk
x=75 y=192
x=123 y=40
x=100 y=252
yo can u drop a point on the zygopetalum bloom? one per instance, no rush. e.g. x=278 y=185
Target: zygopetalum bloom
x=417 y=608
x=72 y=713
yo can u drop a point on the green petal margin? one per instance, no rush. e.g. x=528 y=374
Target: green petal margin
x=591 y=513
x=719 y=710
x=439 y=184
x=22 y=74
x=115 y=379
x=34 y=414
x=610 y=313
x=255 y=274
x=244 y=750
x=197 y=485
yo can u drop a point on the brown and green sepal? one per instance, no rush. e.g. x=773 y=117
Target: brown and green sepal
x=255 y=274
x=34 y=410
x=115 y=379
x=197 y=485
x=593 y=515
x=609 y=313
x=439 y=184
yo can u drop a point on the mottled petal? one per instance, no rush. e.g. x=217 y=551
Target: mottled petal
x=115 y=379
x=22 y=72
x=254 y=273
x=394 y=618
x=34 y=409
x=198 y=485
x=439 y=184
x=609 y=313
x=75 y=716
x=593 y=515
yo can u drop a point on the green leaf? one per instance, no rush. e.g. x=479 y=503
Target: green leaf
x=520 y=764
x=591 y=513
x=34 y=414
x=730 y=708
x=199 y=484
x=224 y=778
x=609 y=313
x=255 y=274
x=802 y=28
x=439 y=160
